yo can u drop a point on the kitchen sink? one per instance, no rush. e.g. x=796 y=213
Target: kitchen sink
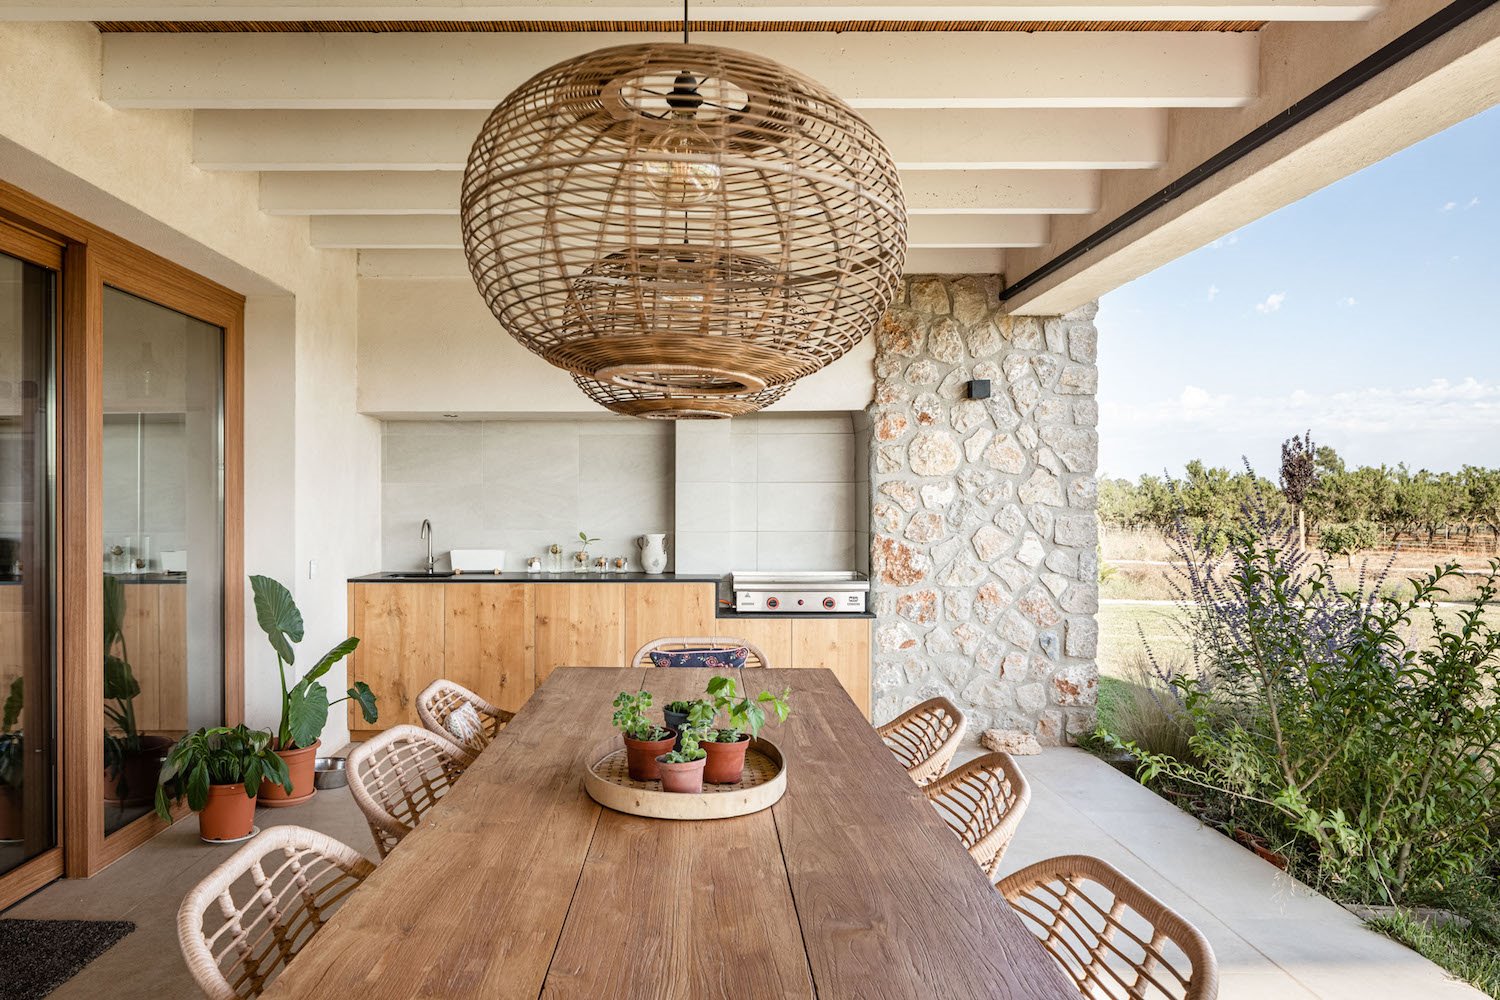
x=417 y=574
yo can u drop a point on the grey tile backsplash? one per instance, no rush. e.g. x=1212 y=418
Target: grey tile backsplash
x=768 y=492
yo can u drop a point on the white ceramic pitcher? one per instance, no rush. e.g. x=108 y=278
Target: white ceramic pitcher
x=653 y=552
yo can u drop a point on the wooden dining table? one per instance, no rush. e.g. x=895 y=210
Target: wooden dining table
x=517 y=884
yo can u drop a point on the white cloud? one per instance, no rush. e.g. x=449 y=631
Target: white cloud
x=1440 y=408
x=1213 y=292
x=1225 y=241
x=1472 y=202
x=1448 y=206
x=1347 y=300
x=1272 y=303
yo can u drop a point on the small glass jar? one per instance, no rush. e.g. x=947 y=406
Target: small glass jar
x=619 y=564
x=554 y=558
x=534 y=564
x=580 y=561
x=601 y=565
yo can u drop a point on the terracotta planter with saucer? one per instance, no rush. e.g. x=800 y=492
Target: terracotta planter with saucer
x=229 y=816
x=301 y=765
x=640 y=756
x=686 y=777
x=725 y=764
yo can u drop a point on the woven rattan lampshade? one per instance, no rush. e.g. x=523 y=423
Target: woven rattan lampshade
x=677 y=223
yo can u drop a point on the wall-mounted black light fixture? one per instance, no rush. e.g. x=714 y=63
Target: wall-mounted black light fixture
x=979 y=388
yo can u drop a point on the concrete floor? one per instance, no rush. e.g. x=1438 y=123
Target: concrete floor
x=1275 y=939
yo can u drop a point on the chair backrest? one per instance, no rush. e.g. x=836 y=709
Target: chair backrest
x=398 y=776
x=440 y=699
x=983 y=801
x=1114 y=939
x=243 y=923
x=925 y=738
x=756 y=658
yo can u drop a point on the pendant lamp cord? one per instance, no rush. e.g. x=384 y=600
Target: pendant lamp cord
x=684 y=22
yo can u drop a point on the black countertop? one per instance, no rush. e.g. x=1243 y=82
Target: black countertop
x=722 y=612
x=420 y=577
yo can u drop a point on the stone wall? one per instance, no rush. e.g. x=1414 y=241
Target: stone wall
x=984 y=558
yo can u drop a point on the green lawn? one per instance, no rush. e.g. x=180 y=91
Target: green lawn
x=1121 y=627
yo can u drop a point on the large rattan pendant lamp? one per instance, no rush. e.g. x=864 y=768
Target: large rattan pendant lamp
x=686 y=229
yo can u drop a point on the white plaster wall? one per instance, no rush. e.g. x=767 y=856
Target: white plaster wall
x=132 y=172
x=430 y=345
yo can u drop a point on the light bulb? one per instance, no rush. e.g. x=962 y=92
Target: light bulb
x=680 y=183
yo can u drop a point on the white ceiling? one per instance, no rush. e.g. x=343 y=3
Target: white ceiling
x=1010 y=143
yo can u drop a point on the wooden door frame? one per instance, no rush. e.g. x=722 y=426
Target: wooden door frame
x=92 y=258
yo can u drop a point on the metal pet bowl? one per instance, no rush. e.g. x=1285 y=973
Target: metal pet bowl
x=330 y=772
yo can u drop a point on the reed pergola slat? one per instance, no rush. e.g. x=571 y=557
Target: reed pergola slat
x=686 y=229
x=1114 y=939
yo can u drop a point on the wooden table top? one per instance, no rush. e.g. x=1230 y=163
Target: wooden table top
x=518 y=885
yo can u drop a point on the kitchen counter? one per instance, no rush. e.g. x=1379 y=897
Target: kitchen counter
x=513 y=577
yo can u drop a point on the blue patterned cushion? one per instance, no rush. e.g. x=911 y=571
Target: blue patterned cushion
x=714 y=659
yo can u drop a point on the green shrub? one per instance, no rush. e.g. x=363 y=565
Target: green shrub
x=1144 y=710
x=1374 y=752
x=1347 y=540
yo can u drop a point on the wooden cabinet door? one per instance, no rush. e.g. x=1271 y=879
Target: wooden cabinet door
x=489 y=640
x=140 y=634
x=172 y=677
x=400 y=630
x=773 y=636
x=659 y=610
x=579 y=625
x=840 y=646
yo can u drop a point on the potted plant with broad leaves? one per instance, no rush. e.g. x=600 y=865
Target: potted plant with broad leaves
x=682 y=769
x=304 y=702
x=220 y=771
x=744 y=718
x=644 y=740
x=131 y=758
x=12 y=765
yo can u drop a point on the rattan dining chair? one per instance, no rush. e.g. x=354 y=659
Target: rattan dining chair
x=677 y=644
x=243 y=923
x=983 y=801
x=398 y=776
x=1114 y=939
x=925 y=737
x=439 y=701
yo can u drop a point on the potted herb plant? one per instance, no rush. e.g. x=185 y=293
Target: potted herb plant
x=12 y=765
x=682 y=769
x=682 y=713
x=644 y=740
x=304 y=703
x=131 y=758
x=220 y=771
x=743 y=719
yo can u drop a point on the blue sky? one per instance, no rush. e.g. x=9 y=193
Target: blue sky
x=1368 y=311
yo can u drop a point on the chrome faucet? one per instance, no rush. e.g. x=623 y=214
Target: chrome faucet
x=427 y=537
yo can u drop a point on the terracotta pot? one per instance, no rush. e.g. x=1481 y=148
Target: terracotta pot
x=726 y=761
x=134 y=782
x=686 y=778
x=641 y=756
x=229 y=815
x=10 y=813
x=300 y=762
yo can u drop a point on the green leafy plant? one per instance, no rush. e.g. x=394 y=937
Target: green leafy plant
x=304 y=703
x=691 y=749
x=743 y=714
x=220 y=756
x=120 y=686
x=1346 y=736
x=12 y=745
x=584 y=537
x=630 y=717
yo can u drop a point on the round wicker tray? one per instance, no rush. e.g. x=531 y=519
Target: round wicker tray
x=609 y=784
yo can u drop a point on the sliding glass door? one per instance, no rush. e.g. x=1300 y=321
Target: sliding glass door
x=28 y=685
x=163 y=478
